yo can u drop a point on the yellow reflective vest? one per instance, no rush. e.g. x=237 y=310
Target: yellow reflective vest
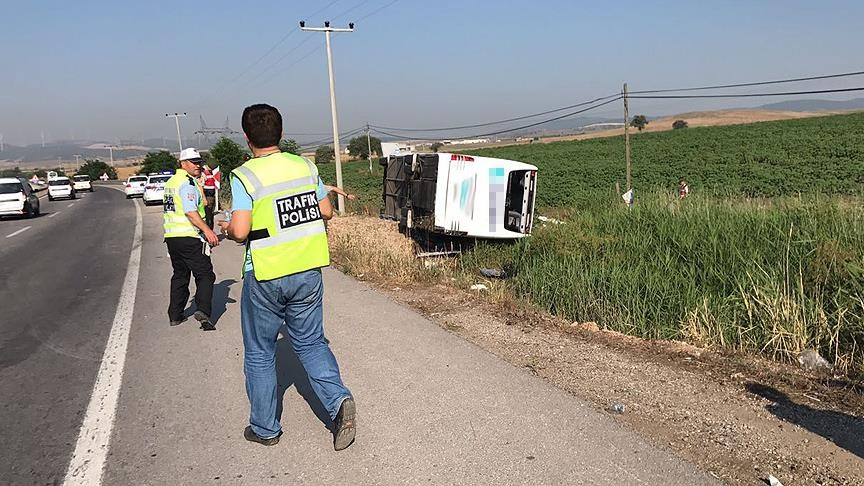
x=175 y=224
x=288 y=234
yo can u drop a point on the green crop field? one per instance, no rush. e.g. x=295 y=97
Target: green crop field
x=814 y=155
x=765 y=256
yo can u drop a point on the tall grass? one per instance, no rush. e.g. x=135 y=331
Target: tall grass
x=773 y=277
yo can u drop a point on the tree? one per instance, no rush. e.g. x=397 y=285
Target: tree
x=324 y=154
x=227 y=154
x=679 y=124
x=290 y=145
x=436 y=146
x=95 y=168
x=639 y=121
x=13 y=172
x=359 y=147
x=158 y=162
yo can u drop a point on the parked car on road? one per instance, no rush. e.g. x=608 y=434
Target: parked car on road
x=154 y=191
x=18 y=198
x=135 y=186
x=82 y=183
x=60 y=187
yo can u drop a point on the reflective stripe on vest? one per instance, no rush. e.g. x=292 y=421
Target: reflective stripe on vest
x=289 y=233
x=175 y=224
x=261 y=191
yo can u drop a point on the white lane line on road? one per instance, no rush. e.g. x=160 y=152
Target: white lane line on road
x=18 y=232
x=91 y=449
x=70 y=205
x=53 y=214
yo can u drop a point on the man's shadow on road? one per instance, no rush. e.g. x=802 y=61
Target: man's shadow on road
x=221 y=299
x=844 y=430
x=290 y=372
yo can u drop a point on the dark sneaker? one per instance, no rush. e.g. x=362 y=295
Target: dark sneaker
x=204 y=319
x=344 y=426
x=176 y=323
x=253 y=437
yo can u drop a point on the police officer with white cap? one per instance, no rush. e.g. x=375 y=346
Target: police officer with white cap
x=189 y=240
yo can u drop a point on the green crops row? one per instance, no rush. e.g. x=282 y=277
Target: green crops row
x=823 y=155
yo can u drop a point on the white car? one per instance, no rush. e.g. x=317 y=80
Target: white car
x=18 y=198
x=135 y=186
x=154 y=191
x=82 y=183
x=60 y=187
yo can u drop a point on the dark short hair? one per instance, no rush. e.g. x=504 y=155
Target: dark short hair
x=262 y=125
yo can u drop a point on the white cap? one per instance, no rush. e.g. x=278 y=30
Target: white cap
x=189 y=154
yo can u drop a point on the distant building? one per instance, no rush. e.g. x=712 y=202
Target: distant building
x=468 y=141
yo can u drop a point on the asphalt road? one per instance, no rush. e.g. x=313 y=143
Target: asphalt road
x=58 y=293
x=432 y=408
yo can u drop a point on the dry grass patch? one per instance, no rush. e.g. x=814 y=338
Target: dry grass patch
x=373 y=249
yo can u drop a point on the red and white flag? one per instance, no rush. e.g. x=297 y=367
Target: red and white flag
x=217 y=177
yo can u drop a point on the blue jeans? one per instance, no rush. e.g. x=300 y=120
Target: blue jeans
x=297 y=302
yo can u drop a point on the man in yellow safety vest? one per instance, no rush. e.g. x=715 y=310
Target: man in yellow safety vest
x=279 y=205
x=189 y=240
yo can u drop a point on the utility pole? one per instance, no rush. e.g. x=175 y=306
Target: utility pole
x=177 y=117
x=338 y=156
x=77 y=162
x=42 y=133
x=627 y=135
x=1 y=142
x=369 y=147
x=111 y=153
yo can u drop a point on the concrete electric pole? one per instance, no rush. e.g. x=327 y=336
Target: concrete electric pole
x=338 y=156
x=177 y=117
x=77 y=162
x=369 y=147
x=627 y=135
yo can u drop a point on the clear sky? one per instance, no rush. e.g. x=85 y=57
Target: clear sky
x=110 y=69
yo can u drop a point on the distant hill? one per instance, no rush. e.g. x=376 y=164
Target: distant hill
x=815 y=105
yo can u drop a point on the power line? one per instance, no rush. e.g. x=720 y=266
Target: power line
x=277 y=44
x=342 y=135
x=272 y=65
x=306 y=134
x=643 y=94
x=345 y=13
x=298 y=61
x=748 y=95
x=513 y=129
x=757 y=83
x=246 y=70
x=307 y=39
x=477 y=125
x=376 y=11
x=276 y=63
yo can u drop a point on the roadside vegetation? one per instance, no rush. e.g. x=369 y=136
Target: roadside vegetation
x=766 y=255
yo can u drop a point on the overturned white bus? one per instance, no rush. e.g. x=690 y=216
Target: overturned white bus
x=460 y=195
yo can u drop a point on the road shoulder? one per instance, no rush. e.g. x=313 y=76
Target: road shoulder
x=432 y=406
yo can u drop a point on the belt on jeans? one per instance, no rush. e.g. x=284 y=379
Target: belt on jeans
x=258 y=234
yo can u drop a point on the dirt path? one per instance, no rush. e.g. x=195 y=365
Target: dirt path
x=741 y=418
